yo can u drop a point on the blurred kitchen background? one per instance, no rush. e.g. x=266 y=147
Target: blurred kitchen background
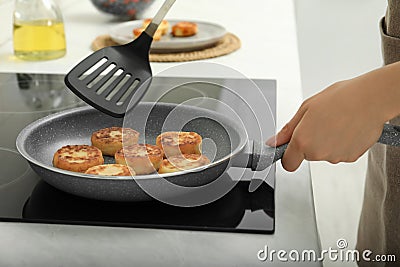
x=337 y=39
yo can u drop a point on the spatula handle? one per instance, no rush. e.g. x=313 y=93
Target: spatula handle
x=152 y=28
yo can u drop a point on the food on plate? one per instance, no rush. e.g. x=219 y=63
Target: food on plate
x=111 y=170
x=177 y=143
x=77 y=158
x=142 y=158
x=109 y=140
x=182 y=162
x=180 y=29
x=161 y=30
x=163 y=27
x=184 y=29
x=157 y=35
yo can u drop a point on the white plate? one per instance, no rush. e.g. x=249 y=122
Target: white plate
x=208 y=34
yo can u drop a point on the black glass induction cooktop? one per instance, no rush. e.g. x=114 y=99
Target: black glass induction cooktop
x=24 y=197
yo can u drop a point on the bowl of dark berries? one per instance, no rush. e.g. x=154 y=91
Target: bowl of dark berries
x=123 y=9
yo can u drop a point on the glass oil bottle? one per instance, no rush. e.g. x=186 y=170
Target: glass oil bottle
x=38 y=30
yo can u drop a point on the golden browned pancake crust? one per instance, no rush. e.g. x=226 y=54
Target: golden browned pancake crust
x=77 y=158
x=142 y=158
x=111 y=170
x=109 y=140
x=177 y=143
x=182 y=162
x=184 y=29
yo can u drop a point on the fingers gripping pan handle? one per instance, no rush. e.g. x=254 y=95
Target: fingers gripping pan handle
x=258 y=156
x=264 y=156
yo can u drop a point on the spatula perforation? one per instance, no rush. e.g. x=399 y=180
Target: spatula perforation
x=120 y=89
x=108 y=88
x=104 y=78
x=103 y=90
x=95 y=74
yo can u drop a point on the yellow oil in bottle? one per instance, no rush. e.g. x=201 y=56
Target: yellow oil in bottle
x=39 y=39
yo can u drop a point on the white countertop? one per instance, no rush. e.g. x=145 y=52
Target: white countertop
x=269 y=51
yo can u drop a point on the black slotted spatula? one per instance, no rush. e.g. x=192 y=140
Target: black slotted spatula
x=114 y=77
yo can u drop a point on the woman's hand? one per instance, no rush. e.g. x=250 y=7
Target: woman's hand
x=342 y=122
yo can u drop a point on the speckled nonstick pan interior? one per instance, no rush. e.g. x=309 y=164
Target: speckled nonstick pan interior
x=39 y=141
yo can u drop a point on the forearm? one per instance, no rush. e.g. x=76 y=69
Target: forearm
x=341 y=122
x=381 y=90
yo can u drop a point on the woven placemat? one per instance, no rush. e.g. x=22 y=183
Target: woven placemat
x=226 y=45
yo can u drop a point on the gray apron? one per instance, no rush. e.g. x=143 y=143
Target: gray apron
x=379 y=227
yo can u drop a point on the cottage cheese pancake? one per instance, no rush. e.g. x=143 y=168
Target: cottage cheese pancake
x=182 y=162
x=184 y=29
x=77 y=158
x=111 y=170
x=142 y=158
x=109 y=140
x=177 y=143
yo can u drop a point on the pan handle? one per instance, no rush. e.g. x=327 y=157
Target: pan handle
x=264 y=156
x=258 y=156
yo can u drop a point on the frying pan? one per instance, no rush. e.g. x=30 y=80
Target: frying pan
x=228 y=146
